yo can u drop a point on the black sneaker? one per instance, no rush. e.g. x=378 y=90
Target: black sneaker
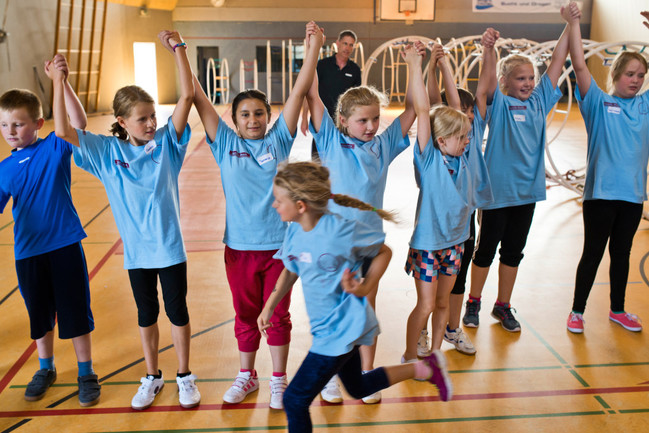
x=39 y=384
x=471 y=318
x=89 y=390
x=503 y=313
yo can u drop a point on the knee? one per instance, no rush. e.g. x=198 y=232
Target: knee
x=178 y=314
x=511 y=258
x=483 y=259
x=147 y=315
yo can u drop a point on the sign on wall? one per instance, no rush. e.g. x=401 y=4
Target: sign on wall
x=518 y=6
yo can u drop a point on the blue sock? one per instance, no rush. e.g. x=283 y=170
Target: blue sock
x=46 y=363
x=85 y=368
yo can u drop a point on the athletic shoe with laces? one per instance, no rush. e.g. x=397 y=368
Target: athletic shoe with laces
x=39 y=384
x=503 y=313
x=460 y=340
x=146 y=393
x=188 y=394
x=575 y=323
x=411 y=361
x=331 y=392
x=422 y=345
x=471 y=311
x=89 y=390
x=278 y=385
x=629 y=321
x=437 y=363
x=245 y=383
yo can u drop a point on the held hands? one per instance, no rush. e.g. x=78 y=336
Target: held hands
x=411 y=54
x=489 y=38
x=645 y=15
x=314 y=34
x=571 y=13
x=57 y=68
x=437 y=55
x=169 y=39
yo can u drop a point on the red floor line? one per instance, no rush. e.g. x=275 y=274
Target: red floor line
x=32 y=347
x=384 y=401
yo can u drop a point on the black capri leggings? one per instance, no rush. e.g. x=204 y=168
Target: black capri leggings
x=615 y=222
x=469 y=245
x=173 y=280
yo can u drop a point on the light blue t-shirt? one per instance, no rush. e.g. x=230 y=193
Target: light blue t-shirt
x=339 y=320
x=142 y=187
x=447 y=200
x=618 y=145
x=357 y=168
x=516 y=144
x=248 y=168
x=38 y=179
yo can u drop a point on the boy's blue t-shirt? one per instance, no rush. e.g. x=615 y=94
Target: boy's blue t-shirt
x=248 y=168
x=339 y=321
x=447 y=200
x=142 y=187
x=38 y=179
x=357 y=168
x=516 y=145
x=618 y=145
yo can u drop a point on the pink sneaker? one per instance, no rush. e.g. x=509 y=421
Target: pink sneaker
x=437 y=362
x=575 y=323
x=627 y=320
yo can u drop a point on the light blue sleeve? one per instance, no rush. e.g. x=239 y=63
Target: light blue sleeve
x=548 y=95
x=281 y=138
x=589 y=103
x=325 y=138
x=365 y=242
x=225 y=136
x=426 y=157
x=92 y=154
x=394 y=139
x=179 y=148
x=289 y=261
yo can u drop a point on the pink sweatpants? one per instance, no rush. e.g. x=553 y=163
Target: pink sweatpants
x=252 y=276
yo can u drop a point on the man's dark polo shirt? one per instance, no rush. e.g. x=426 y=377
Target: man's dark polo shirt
x=333 y=82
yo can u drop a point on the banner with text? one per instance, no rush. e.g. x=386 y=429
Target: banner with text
x=518 y=6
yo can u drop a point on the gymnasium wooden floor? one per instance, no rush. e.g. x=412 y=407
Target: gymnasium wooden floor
x=540 y=380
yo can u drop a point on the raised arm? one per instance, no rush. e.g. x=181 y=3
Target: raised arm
x=452 y=96
x=416 y=88
x=407 y=118
x=316 y=107
x=571 y=14
x=315 y=39
x=488 y=80
x=282 y=287
x=559 y=55
x=645 y=15
x=304 y=123
x=434 y=95
x=62 y=127
x=78 y=118
x=172 y=41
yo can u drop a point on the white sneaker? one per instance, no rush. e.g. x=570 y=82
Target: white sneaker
x=422 y=345
x=244 y=384
x=277 y=386
x=188 y=394
x=331 y=392
x=372 y=398
x=146 y=393
x=460 y=340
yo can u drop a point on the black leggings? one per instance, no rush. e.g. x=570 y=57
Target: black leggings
x=614 y=221
x=469 y=245
x=173 y=280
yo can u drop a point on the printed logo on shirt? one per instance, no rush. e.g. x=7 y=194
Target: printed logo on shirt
x=329 y=263
x=263 y=159
x=348 y=145
x=305 y=257
x=24 y=160
x=612 y=107
x=291 y=258
x=642 y=108
x=239 y=154
x=122 y=163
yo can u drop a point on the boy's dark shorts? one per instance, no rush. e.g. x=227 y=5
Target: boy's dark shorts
x=55 y=285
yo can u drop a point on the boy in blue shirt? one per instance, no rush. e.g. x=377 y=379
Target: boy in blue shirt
x=50 y=262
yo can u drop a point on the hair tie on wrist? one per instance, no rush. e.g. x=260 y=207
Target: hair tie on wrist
x=373 y=209
x=182 y=44
x=331 y=196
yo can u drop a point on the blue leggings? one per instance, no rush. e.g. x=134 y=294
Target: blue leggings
x=313 y=375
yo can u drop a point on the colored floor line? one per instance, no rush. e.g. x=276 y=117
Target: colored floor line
x=396 y=400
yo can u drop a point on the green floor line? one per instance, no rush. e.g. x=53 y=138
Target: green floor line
x=6 y=225
x=602 y=402
x=615 y=364
x=545 y=343
x=634 y=410
x=496 y=370
x=380 y=423
x=579 y=378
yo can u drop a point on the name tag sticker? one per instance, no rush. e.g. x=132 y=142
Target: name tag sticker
x=263 y=159
x=347 y=74
x=519 y=117
x=613 y=109
x=305 y=258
